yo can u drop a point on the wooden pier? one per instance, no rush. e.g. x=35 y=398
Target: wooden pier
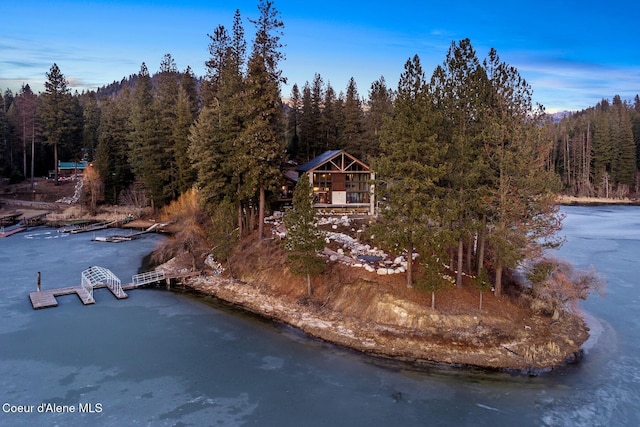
x=22 y=224
x=44 y=298
x=47 y=298
x=7 y=233
x=9 y=219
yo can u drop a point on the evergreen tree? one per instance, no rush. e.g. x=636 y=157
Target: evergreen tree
x=59 y=123
x=189 y=84
x=90 y=135
x=352 y=135
x=409 y=171
x=318 y=123
x=603 y=149
x=458 y=97
x=210 y=154
x=185 y=174
x=635 y=129
x=23 y=113
x=214 y=139
x=304 y=241
x=622 y=135
x=143 y=144
x=380 y=106
x=4 y=132
x=219 y=47
x=306 y=125
x=312 y=141
x=330 y=120
x=522 y=210
x=293 y=123
x=262 y=142
x=112 y=153
x=165 y=102
x=74 y=148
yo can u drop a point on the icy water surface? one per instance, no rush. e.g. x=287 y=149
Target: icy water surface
x=162 y=359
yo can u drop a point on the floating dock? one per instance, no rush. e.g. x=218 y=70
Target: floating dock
x=96 y=278
x=47 y=298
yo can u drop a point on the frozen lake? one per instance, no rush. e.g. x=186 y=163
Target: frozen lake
x=163 y=359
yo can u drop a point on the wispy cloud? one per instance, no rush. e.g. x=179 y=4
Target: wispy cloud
x=560 y=83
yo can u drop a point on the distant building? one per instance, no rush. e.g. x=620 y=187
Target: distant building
x=340 y=182
x=66 y=170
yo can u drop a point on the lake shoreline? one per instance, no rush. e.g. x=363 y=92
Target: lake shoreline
x=414 y=349
x=596 y=201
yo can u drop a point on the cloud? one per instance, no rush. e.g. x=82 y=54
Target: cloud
x=565 y=84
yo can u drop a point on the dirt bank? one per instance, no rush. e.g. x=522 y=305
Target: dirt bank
x=378 y=315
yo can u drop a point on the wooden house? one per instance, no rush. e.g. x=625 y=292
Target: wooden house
x=340 y=182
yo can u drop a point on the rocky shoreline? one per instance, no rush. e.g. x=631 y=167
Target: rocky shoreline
x=468 y=343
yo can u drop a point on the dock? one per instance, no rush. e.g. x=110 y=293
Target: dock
x=97 y=278
x=9 y=219
x=116 y=238
x=47 y=298
x=7 y=233
x=22 y=224
x=88 y=227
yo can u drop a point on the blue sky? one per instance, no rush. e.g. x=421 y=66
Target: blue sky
x=573 y=54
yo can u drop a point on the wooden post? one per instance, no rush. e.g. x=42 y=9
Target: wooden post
x=168 y=283
x=38 y=281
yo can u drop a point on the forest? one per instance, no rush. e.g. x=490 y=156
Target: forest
x=468 y=168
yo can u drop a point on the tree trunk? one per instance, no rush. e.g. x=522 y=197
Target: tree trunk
x=261 y=213
x=308 y=284
x=410 y=267
x=24 y=144
x=55 y=160
x=460 y=258
x=33 y=151
x=480 y=300
x=481 y=242
x=433 y=300
x=240 y=228
x=498 y=285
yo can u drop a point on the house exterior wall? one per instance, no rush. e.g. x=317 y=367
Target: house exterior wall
x=340 y=180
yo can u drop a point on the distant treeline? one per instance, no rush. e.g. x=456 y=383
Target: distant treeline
x=597 y=150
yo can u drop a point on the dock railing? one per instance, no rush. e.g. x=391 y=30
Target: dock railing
x=147 y=277
x=96 y=276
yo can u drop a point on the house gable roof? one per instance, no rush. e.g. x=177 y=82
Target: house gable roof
x=329 y=156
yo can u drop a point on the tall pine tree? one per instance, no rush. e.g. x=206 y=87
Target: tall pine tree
x=409 y=171
x=458 y=97
x=60 y=125
x=263 y=144
x=143 y=144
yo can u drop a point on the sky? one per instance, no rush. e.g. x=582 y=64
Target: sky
x=573 y=54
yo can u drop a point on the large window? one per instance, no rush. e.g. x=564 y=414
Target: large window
x=357 y=186
x=322 y=187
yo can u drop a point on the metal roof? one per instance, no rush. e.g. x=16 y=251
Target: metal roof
x=72 y=165
x=322 y=158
